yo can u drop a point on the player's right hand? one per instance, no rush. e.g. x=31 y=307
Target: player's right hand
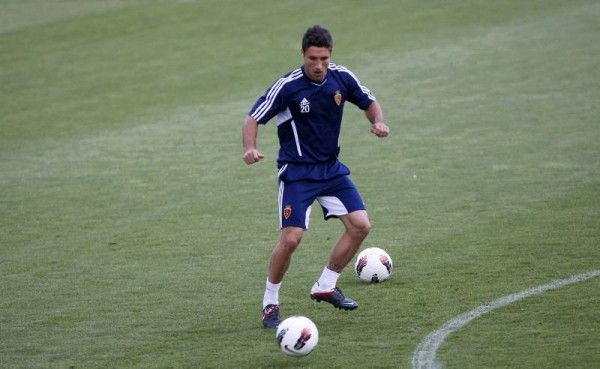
x=252 y=156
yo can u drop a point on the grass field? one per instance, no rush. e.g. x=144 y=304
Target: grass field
x=133 y=236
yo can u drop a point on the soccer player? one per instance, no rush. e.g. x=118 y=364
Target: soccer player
x=307 y=105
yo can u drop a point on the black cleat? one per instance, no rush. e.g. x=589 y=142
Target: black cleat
x=336 y=298
x=270 y=316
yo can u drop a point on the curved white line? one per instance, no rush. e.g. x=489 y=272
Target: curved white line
x=424 y=356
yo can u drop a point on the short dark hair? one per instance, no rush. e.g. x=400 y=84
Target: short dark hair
x=317 y=36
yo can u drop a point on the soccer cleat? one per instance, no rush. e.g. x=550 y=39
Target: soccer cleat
x=270 y=316
x=336 y=298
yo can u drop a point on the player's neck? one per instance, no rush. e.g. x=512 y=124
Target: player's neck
x=316 y=80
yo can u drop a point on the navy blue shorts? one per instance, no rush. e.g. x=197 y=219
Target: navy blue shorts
x=337 y=196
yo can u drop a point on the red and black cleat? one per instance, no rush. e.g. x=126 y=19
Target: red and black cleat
x=270 y=316
x=336 y=298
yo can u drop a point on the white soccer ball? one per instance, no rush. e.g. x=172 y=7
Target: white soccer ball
x=297 y=336
x=373 y=265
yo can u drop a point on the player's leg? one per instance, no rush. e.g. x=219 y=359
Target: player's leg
x=342 y=201
x=282 y=253
x=294 y=209
x=278 y=264
x=357 y=227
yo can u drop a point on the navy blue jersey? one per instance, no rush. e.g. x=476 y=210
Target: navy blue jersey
x=309 y=114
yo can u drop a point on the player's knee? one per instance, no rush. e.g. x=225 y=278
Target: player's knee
x=361 y=229
x=290 y=239
x=357 y=224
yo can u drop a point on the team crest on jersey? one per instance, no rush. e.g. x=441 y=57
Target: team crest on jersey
x=287 y=212
x=337 y=97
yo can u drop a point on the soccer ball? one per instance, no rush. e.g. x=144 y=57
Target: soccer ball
x=297 y=336
x=373 y=265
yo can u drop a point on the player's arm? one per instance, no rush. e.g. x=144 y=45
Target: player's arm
x=249 y=134
x=375 y=116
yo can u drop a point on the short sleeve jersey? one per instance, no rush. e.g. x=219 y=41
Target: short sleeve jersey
x=309 y=114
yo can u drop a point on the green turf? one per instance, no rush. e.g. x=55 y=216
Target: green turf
x=133 y=236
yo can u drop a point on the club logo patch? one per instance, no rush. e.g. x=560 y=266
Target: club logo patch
x=337 y=97
x=287 y=212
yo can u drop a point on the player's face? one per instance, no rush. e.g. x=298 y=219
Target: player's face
x=316 y=61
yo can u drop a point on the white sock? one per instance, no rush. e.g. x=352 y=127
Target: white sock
x=327 y=281
x=271 y=294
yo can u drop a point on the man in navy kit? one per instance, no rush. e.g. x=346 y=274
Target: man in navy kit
x=307 y=105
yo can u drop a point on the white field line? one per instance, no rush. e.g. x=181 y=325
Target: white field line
x=424 y=356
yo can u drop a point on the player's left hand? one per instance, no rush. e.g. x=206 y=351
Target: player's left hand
x=380 y=129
